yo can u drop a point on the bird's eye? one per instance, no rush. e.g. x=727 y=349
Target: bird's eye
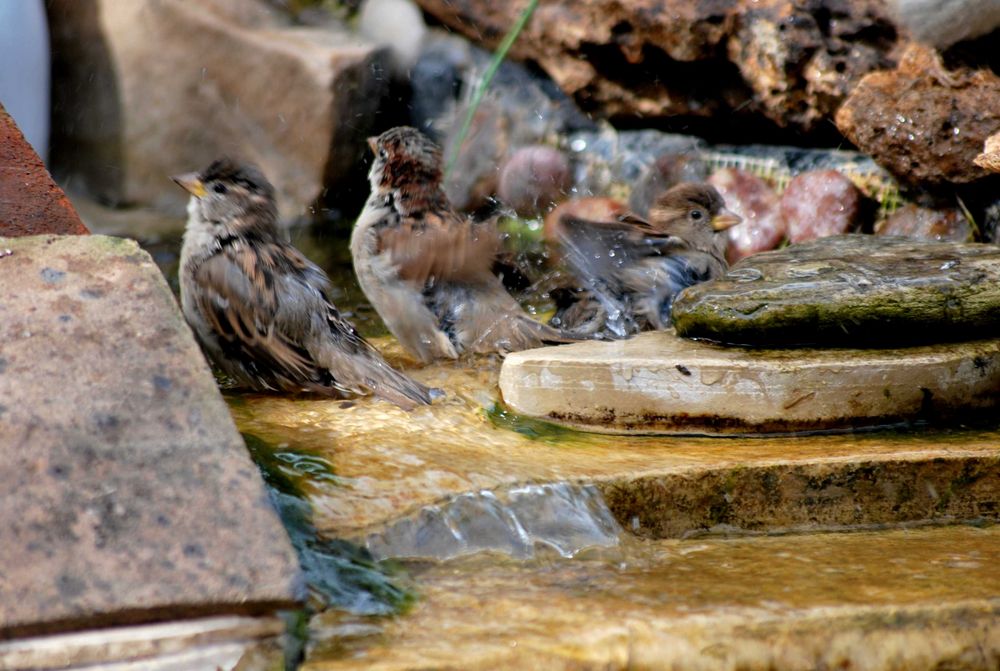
x=697 y=215
x=219 y=187
x=383 y=154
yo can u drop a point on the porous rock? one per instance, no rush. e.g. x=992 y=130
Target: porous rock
x=794 y=61
x=924 y=124
x=151 y=88
x=802 y=58
x=852 y=291
x=990 y=158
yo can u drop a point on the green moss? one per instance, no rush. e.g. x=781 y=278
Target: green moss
x=338 y=573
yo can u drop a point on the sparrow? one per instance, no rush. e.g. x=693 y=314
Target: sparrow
x=629 y=269
x=425 y=268
x=261 y=310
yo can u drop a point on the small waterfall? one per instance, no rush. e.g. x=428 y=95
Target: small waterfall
x=564 y=517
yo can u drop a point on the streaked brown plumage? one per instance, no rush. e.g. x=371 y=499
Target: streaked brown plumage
x=629 y=269
x=259 y=308
x=427 y=269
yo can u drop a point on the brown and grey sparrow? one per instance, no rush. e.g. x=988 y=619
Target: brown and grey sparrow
x=427 y=269
x=629 y=269
x=259 y=308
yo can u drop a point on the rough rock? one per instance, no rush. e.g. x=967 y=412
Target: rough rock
x=925 y=124
x=659 y=383
x=126 y=493
x=803 y=58
x=146 y=89
x=30 y=202
x=749 y=196
x=921 y=223
x=795 y=61
x=990 y=158
x=818 y=204
x=852 y=290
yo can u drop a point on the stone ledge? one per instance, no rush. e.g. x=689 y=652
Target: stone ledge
x=659 y=383
x=126 y=495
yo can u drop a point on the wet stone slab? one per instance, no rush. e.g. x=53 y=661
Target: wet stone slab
x=466 y=475
x=126 y=494
x=850 y=291
x=659 y=383
x=885 y=601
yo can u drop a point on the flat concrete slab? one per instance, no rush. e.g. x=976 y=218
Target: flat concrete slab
x=885 y=601
x=126 y=494
x=659 y=383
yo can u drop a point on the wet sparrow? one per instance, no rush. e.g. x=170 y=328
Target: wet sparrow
x=259 y=308
x=629 y=269
x=427 y=269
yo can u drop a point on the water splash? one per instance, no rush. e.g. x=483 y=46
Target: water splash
x=337 y=573
x=562 y=517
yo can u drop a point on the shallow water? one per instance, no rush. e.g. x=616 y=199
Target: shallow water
x=486 y=506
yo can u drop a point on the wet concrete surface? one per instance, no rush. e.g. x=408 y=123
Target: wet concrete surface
x=126 y=494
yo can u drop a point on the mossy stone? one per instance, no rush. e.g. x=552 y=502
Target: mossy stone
x=850 y=290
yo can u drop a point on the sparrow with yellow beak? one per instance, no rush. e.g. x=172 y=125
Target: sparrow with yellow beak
x=630 y=269
x=425 y=268
x=259 y=308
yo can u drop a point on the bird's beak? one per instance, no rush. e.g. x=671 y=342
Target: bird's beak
x=725 y=219
x=191 y=183
x=373 y=144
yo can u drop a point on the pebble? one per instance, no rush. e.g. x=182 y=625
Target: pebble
x=912 y=221
x=534 y=179
x=749 y=196
x=818 y=204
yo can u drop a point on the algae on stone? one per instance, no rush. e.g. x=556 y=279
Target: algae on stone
x=852 y=291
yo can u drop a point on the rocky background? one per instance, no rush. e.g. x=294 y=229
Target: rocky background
x=598 y=98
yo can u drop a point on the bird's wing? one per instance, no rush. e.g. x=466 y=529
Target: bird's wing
x=440 y=246
x=239 y=300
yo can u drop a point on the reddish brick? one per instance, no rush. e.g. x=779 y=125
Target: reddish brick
x=30 y=202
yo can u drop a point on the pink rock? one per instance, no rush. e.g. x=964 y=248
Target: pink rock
x=922 y=223
x=752 y=198
x=818 y=204
x=534 y=179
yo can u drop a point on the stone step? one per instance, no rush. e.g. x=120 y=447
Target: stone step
x=889 y=600
x=660 y=383
x=400 y=470
x=126 y=494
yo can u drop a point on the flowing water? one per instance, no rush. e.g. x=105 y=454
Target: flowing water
x=445 y=515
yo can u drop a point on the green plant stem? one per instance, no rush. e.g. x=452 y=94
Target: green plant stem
x=484 y=83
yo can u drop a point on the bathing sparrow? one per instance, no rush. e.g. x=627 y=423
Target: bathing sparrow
x=427 y=269
x=259 y=308
x=629 y=269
